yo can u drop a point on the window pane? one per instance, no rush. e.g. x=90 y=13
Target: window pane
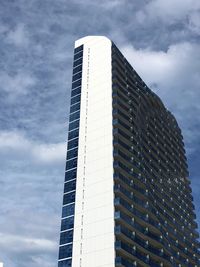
x=70 y=175
x=69 y=198
x=73 y=125
x=67 y=223
x=68 y=210
x=75 y=99
x=73 y=134
x=77 y=69
x=76 y=91
x=75 y=107
x=78 y=49
x=72 y=153
x=72 y=144
x=65 y=263
x=78 y=62
x=65 y=251
x=70 y=164
x=77 y=76
x=78 y=55
x=70 y=186
x=76 y=84
x=66 y=237
x=74 y=116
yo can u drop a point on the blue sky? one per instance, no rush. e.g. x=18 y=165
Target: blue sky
x=160 y=39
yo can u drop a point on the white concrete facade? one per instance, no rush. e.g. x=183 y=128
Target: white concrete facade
x=93 y=242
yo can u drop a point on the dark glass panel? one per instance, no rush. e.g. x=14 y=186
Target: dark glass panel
x=78 y=62
x=72 y=153
x=76 y=84
x=70 y=186
x=70 y=175
x=75 y=107
x=73 y=125
x=65 y=263
x=68 y=210
x=66 y=237
x=76 y=91
x=75 y=99
x=70 y=164
x=67 y=223
x=74 y=116
x=65 y=251
x=69 y=198
x=72 y=144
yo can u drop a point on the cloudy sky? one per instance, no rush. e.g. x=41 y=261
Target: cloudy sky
x=160 y=39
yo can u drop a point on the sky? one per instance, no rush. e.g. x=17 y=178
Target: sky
x=161 y=39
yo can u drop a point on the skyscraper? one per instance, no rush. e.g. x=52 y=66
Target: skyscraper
x=127 y=197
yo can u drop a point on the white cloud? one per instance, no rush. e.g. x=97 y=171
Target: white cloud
x=16 y=84
x=18 y=36
x=17 y=147
x=167 y=11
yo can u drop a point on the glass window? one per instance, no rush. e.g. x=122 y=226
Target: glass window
x=70 y=186
x=70 y=164
x=67 y=223
x=70 y=175
x=72 y=144
x=66 y=237
x=77 y=69
x=73 y=125
x=75 y=99
x=78 y=49
x=78 y=62
x=68 y=210
x=72 y=153
x=77 y=76
x=73 y=134
x=74 y=116
x=69 y=198
x=76 y=84
x=78 y=55
x=75 y=107
x=65 y=251
x=76 y=91
x=65 y=263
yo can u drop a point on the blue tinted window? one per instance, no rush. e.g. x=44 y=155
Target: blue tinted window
x=66 y=237
x=65 y=263
x=77 y=69
x=77 y=76
x=73 y=125
x=70 y=175
x=68 y=210
x=75 y=99
x=69 y=198
x=72 y=153
x=72 y=144
x=78 y=62
x=65 y=251
x=75 y=107
x=74 y=116
x=73 y=134
x=78 y=49
x=78 y=55
x=70 y=164
x=67 y=223
x=76 y=84
x=70 y=186
x=76 y=91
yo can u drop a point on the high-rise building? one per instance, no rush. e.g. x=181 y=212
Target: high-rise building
x=127 y=197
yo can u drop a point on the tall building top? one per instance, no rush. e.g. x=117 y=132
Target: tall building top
x=92 y=38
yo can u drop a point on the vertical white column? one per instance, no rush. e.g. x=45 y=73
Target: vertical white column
x=93 y=243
